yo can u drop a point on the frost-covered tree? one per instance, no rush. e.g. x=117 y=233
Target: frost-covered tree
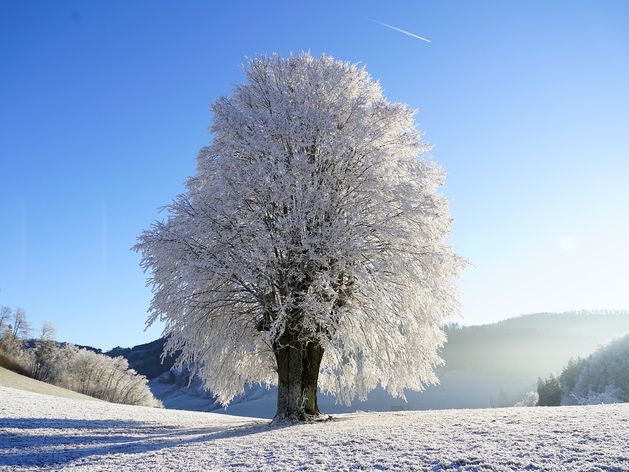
x=604 y=378
x=6 y=329
x=15 y=330
x=570 y=374
x=42 y=355
x=310 y=247
x=5 y=316
x=100 y=376
x=549 y=391
x=530 y=399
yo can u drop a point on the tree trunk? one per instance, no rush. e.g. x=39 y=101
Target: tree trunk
x=298 y=374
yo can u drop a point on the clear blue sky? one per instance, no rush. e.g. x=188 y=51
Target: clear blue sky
x=104 y=105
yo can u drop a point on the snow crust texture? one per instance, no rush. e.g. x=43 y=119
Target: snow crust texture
x=39 y=432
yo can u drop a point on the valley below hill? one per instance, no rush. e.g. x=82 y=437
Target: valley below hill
x=487 y=365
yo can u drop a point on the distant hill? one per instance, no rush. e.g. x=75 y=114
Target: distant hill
x=482 y=362
x=536 y=344
x=588 y=325
x=146 y=359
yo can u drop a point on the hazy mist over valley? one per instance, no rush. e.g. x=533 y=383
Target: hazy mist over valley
x=479 y=361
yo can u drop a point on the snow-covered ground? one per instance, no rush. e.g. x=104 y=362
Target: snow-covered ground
x=40 y=432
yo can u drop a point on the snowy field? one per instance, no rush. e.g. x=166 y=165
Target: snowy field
x=41 y=432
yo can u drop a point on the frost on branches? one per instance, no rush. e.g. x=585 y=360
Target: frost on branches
x=310 y=247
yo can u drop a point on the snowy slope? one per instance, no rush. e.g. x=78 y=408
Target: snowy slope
x=39 y=432
x=13 y=380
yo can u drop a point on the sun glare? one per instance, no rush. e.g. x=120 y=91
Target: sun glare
x=568 y=243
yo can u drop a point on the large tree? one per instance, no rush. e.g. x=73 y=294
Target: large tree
x=310 y=247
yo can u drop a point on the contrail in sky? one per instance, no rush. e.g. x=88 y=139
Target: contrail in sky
x=400 y=30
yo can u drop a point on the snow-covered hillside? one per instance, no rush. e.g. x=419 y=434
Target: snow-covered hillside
x=39 y=432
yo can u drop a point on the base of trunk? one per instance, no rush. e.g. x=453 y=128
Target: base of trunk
x=320 y=418
x=298 y=418
x=298 y=374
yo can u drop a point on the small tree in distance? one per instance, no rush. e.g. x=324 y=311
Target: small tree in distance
x=310 y=247
x=14 y=330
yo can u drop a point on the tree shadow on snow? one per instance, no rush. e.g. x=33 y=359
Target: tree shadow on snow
x=43 y=442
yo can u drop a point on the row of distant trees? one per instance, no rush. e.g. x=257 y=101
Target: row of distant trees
x=602 y=377
x=66 y=365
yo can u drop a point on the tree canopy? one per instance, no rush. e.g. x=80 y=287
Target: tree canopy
x=314 y=227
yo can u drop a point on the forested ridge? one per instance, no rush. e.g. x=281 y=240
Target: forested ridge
x=537 y=343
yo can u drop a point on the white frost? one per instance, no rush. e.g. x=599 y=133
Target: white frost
x=38 y=432
x=314 y=217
